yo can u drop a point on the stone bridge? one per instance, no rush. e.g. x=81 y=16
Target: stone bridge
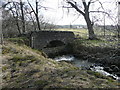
x=47 y=39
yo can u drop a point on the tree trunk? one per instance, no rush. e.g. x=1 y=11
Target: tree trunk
x=92 y=36
x=16 y=19
x=33 y=22
x=36 y=13
x=37 y=16
x=91 y=33
x=17 y=24
x=22 y=17
x=38 y=22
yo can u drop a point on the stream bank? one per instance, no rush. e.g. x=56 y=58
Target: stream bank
x=24 y=67
x=86 y=65
x=107 y=57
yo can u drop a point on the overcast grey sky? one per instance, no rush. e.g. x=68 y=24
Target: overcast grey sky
x=58 y=16
x=61 y=18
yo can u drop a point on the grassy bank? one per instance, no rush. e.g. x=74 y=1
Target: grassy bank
x=105 y=50
x=24 y=67
x=96 y=51
x=83 y=33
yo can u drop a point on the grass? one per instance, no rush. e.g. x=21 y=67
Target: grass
x=20 y=58
x=19 y=40
x=83 y=33
x=38 y=71
x=5 y=50
x=78 y=32
x=96 y=74
x=94 y=43
x=41 y=83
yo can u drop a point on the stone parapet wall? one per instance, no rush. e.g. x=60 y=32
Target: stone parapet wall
x=40 y=39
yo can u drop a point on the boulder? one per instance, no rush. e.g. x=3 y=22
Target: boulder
x=118 y=74
x=108 y=69
x=114 y=68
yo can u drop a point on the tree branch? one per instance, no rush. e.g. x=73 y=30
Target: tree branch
x=89 y=4
x=84 y=3
x=3 y=6
x=31 y=7
x=74 y=6
x=66 y=7
x=99 y=12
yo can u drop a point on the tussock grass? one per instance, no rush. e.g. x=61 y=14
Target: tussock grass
x=28 y=68
x=19 y=40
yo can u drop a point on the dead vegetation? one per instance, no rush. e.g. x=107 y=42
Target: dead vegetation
x=24 y=67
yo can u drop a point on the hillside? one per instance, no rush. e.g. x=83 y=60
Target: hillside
x=24 y=67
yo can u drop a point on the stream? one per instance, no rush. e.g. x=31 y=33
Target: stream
x=84 y=64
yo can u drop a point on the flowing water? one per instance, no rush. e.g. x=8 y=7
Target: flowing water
x=85 y=64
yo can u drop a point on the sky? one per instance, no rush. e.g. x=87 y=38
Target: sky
x=59 y=16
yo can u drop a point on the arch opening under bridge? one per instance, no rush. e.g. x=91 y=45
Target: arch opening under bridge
x=43 y=39
x=54 y=43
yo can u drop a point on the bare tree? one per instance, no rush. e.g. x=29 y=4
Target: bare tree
x=9 y=24
x=17 y=10
x=84 y=10
x=23 y=17
x=36 y=12
x=16 y=16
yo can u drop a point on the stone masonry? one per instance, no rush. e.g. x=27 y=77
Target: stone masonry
x=40 y=39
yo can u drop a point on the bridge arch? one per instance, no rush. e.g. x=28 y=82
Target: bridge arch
x=54 y=43
x=41 y=39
